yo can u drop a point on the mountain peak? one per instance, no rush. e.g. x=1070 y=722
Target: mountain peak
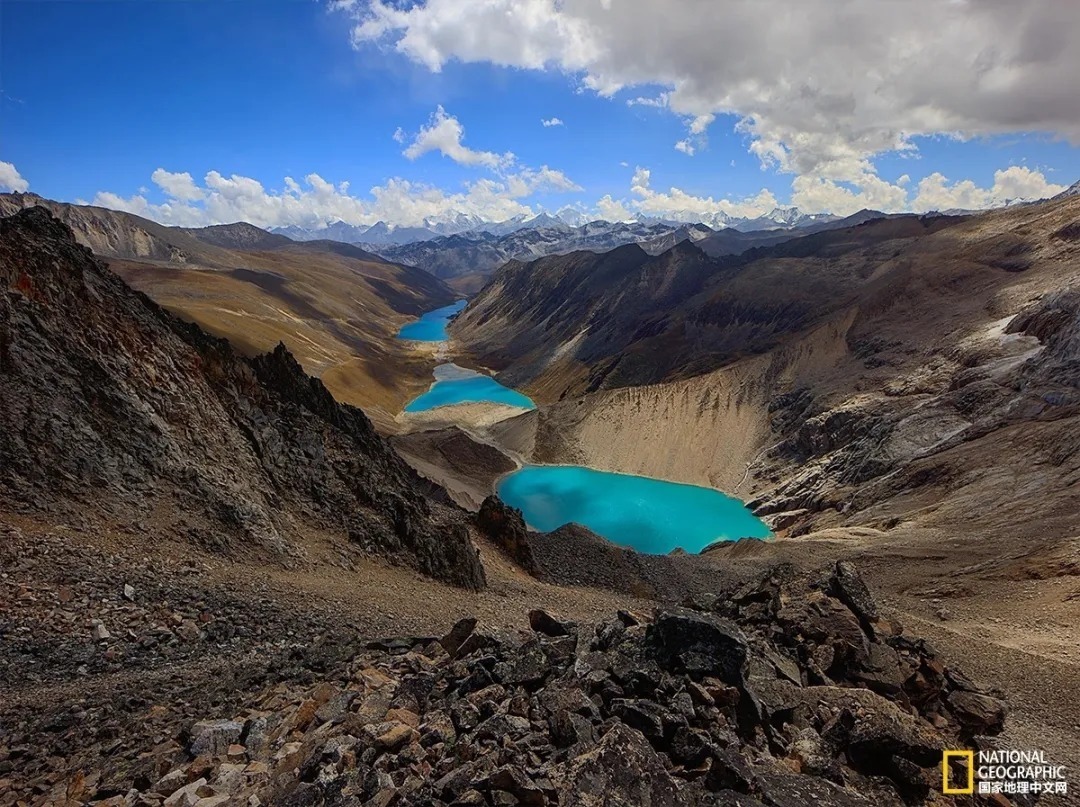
x=1072 y=190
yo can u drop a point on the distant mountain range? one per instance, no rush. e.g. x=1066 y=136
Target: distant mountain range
x=383 y=234
x=467 y=259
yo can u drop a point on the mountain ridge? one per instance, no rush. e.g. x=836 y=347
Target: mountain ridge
x=258 y=289
x=248 y=448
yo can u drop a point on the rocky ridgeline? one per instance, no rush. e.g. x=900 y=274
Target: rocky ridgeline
x=115 y=410
x=791 y=691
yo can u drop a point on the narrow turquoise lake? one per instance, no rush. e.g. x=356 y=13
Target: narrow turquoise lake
x=649 y=515
x=431 y=327
x=455 y=385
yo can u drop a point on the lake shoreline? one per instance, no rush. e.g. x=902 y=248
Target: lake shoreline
x=647 y=514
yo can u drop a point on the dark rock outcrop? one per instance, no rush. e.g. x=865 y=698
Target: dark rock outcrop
x=505 y=526
x=108 y=399
x=740 y=707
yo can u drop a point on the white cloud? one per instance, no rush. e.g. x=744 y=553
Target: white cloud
x=549 y=122
x=816 y=195
x=678 y=204
x=612 y=210
x=659 y=102
x=934 y=192
x=444 y=133
x=176 y=186
x=179 y=214
x=700 y=123
x=315 y=203
x=399 y=135
x=854 y=79
x=528 y=181
x=696 y=139
x=11 y=179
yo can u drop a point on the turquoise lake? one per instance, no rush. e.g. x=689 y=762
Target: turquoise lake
x=649 y=515
x=431 y=327
x=455 y=385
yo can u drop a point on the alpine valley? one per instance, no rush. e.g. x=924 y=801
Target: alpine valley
x=246 y=561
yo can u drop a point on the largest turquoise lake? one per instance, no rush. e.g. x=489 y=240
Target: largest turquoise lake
x=649 y=515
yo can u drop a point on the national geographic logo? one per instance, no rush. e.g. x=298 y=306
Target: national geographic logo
x=966 y=758
x=1011 y=772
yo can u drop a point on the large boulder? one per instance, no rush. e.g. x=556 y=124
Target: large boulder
x=698 y=644
x=622 y=771
x=978 y=713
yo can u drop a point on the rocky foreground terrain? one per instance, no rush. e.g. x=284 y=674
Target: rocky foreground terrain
x=792 y=690
x=901 y=394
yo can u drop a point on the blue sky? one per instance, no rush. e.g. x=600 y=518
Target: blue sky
x=97 y=96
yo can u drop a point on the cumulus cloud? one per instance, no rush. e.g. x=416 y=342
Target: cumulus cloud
x=817 y=195
x=528 y=181
x=549 y=122
x=935 y=192
x=11 y=179
x=676 y=203
x=612 y=210
x=176 y=186
x=444 y=133
x=316 y=202
x=685 y=146
x=700 y=123
x=854 y=80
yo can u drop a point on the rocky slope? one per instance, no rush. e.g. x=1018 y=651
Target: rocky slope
x=920 y=417
x=114 y=408
x=466 y=259
x=336 y=307
x=789 y=690
x=575 y=323
x=887 y=360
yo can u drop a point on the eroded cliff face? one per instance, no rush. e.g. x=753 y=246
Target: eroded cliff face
x=704 y=430
x=114 y=409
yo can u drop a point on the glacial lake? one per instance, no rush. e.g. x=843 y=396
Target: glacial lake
x=650 y=515
x=455 y=385
x=431 y=327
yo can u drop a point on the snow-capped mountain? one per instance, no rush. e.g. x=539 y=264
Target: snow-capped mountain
x=335 y=231
x=566 y=220
x=572 y=216
x=452 y=222
x=481 y=251
x=1072 y=190
x=379 y=233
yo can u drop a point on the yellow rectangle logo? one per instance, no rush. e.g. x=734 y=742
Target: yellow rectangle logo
x=946 y=785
